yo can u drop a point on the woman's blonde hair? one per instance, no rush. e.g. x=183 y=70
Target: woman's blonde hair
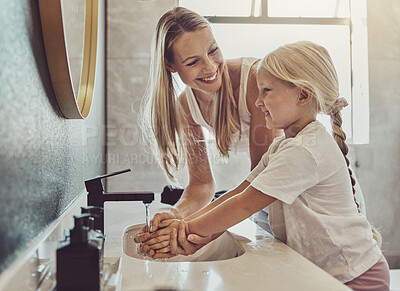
x=162 y=115
x=309 y=66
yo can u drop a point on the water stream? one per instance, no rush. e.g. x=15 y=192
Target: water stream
x=147 y=206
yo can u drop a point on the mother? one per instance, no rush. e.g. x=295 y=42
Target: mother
x=220 y=95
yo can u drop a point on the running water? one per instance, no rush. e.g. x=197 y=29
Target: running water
x=147 y=205
x=146 y=229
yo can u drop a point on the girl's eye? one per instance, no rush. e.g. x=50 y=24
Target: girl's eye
x=213 y=51
x=192 y=63
x=266 y=90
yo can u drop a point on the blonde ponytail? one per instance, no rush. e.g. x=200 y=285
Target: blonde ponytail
x=340 y=138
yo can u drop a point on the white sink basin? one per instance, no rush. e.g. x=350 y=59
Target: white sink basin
x=223 y=248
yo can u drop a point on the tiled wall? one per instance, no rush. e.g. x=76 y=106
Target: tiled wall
x=44 y=158
x=130 y=26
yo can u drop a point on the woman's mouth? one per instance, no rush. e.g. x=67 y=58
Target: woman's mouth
x=265 y=111
x=209 y=79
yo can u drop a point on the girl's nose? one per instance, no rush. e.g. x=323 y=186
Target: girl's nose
x=259 y=102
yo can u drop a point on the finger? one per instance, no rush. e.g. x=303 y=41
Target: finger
x=138 y=238
x=163 y=255
x=159 y=232
x=160 y=245
x=182 y=236
x=197 y=239
x=165 y=223
x=155 y=222
x=158 y=239
x=147 y=251
x=173 y=243
x=164 y=250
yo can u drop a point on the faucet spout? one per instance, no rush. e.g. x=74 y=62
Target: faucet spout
x=99 y=200
x=97 y=196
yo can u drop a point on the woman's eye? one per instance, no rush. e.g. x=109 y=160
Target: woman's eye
x=213 y=51
x=192 y=63
x=266 y=90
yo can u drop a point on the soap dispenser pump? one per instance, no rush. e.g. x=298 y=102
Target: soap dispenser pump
x=78 y=261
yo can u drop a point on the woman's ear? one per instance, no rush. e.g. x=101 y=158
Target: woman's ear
x=169 y=67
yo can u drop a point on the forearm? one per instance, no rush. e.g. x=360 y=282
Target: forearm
x=193 y=199
x=219 y=218
x=218 y=201
x=230 y=212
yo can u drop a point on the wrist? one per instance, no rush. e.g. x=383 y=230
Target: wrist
x=175 y=213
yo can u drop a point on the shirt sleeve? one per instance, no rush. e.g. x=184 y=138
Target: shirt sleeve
x=257 y=170
x=287 y=174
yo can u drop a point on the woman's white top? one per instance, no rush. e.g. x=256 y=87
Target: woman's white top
x=315 y=213
x=240 y=143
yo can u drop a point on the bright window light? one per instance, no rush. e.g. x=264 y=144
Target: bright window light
x=224 y=8
x=308 y=8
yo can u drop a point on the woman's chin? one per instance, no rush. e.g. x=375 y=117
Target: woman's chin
x=269 y=124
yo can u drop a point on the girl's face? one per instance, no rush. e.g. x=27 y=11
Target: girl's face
x=279 y=101
x=198 y=60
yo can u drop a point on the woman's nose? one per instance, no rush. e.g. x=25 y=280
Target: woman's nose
x=209 y=66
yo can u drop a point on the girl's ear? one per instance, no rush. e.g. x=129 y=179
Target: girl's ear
x=305 y=96
x=169 y=67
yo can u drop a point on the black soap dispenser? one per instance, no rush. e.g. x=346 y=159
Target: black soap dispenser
x=95 y=236
x=78 y=260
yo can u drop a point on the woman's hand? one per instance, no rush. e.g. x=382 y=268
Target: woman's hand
x=180 y=244
x=143 y=234
x=157 y=240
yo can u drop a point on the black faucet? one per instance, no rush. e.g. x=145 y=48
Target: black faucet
x=97 y=196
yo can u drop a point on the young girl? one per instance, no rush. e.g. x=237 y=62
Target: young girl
x=220 y=96
x=304 y=176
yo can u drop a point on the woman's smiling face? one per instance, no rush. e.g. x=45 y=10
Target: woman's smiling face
x=198 y=60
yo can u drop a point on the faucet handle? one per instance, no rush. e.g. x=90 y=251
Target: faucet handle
x=95 y=184
x=111 y=174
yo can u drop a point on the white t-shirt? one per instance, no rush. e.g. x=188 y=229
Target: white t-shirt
x=315 y=213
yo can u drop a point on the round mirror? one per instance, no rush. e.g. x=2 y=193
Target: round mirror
x=74 y=30
x=70 y=30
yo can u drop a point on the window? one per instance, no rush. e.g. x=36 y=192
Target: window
x=255 y=27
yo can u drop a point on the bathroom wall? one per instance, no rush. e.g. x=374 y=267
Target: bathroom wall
x=377 y=164
x=129 y=28
x=44 y=158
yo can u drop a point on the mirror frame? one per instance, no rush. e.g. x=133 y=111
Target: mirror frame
x=51 y=18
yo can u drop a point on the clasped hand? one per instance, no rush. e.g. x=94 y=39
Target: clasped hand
x=171 y=238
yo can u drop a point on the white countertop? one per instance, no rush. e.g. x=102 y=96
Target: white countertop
x=267 y=264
